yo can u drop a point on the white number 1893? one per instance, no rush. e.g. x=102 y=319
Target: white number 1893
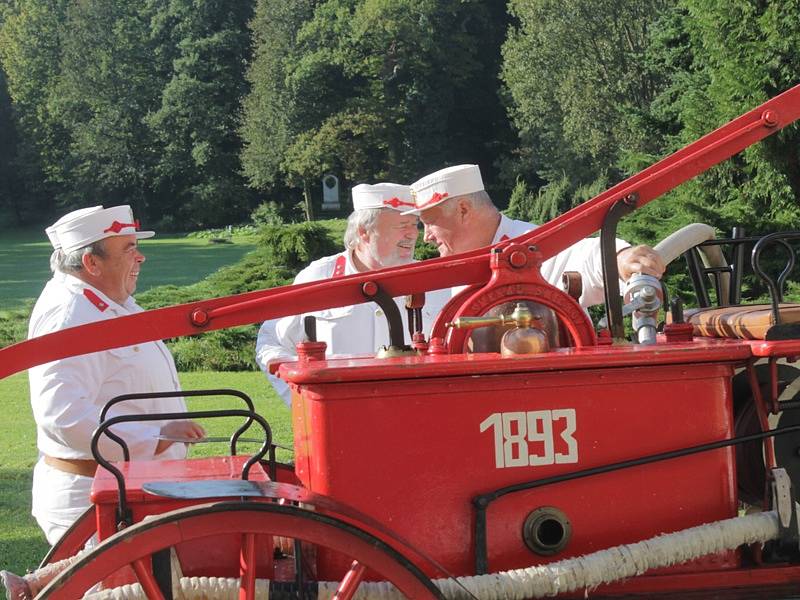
x=513 y=431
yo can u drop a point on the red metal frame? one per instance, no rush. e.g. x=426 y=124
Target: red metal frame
x=463 y=269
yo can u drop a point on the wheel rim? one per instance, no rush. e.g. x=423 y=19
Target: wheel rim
x=148 y=537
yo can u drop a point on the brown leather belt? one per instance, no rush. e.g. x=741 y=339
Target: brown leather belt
x=75 y=466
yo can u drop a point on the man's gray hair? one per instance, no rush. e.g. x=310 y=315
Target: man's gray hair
x=479 y=200
x=360 y=219
x=55 y=259
x=73 y=262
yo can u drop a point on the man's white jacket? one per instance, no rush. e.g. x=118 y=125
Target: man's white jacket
x=357 y=329
x=68 y=395
x=583 y=257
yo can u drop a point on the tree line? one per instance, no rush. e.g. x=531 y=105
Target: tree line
x=198 y=111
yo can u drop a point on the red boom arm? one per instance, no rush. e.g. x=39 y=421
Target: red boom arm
x=463 y=269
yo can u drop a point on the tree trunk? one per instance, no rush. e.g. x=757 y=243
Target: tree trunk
x=307 y=198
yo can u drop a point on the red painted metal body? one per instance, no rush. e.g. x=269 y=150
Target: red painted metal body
x=410 y=442
x=434 y=431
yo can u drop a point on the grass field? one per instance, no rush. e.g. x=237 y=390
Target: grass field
x=22 y=544
x=177 y=260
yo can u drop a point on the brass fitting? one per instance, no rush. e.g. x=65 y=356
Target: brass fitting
x=527 y=335
x=521 y=317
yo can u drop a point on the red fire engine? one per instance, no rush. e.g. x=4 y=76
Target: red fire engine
x=561 y=462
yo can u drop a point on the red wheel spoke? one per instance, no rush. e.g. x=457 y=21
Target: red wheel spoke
x=247 y=568
x=352 y=579
x=147 y=580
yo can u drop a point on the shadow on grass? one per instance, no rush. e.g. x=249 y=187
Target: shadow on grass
x=22 y=544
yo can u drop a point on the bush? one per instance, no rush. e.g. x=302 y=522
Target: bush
x=14 y=325
x=294 y=246
x=222 y=350
x=267 y=213
x=424 y=251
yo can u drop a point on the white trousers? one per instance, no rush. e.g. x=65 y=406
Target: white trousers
x=58 y=499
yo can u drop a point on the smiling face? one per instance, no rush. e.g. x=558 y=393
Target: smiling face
x=116 y=271
x=390 y=242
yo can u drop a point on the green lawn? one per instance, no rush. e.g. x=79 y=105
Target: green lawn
x=25 y=266
x=21 y=543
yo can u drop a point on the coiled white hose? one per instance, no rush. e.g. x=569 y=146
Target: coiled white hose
x=582 y=572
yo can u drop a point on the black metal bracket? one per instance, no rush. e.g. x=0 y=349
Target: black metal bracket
x=375 y=293
x=608 y=252
x=124 y=515
x=176 y=394
x=775 y=287
x=783 y=502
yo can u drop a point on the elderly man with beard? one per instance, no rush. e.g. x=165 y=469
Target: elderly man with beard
x=378 y=235
x=459 y=216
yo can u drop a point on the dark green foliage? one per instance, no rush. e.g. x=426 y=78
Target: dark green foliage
x=11 y=190
x=206 y=43
x=371 y=90
x=295 y=246
x=132 y=102
x=734 y=56
x=425 y=251
x=30 y=55
x=551 y=199
x=579 y=78
x=14 y=326
x=222 y=350
x=267 y=213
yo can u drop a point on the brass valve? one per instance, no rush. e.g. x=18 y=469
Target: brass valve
x=527 y=335
x=521 y=317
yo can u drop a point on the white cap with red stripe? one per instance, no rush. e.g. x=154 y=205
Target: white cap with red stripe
x=382 y=195
x=91 y=227
x=51 y=231
x=444 y=184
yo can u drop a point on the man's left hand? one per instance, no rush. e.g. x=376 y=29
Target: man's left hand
x=639 y=259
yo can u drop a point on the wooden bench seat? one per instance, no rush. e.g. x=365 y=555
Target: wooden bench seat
x=750 y=322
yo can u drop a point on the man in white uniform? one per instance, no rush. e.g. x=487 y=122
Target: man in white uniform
x=95 y=262
x=459 y=216
x=378 y=235
x=97 y=273
x=50 y=288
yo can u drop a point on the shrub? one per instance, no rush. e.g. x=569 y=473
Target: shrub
x=294 y=246
x=14 y=325
x=424 y=251
x=267 y=213
x=222 y=350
